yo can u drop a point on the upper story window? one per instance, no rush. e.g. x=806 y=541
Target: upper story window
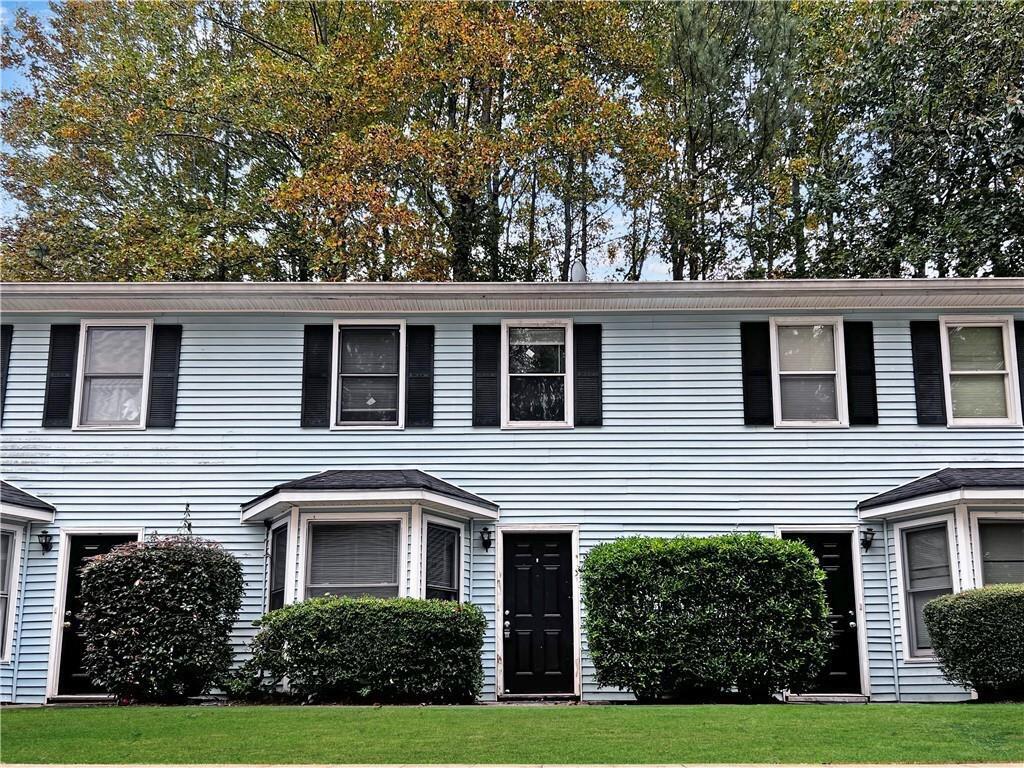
x=977 y=361
x=536 y=366
x=112 y=389
x=369 y=374
x=808 y=371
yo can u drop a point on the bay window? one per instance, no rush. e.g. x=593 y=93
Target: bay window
x=807 y=365
x=927 y=574
x=977 y=356
x=1001 y=547
x=113 y=373
x=442 y=562
x=369 y=368
x=278 y=567
x=355 y=559
x=7 y=576
x=537 y=365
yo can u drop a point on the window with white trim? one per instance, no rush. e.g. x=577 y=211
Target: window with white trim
x=354 y=559
x=278 y=566
x=113 y=374
x=369 y=366
x=808 y=371
x=928 y=574
x=537 y=366
x=442 y=562
x=1001 y=544
x=7 y=558
x=977 y=362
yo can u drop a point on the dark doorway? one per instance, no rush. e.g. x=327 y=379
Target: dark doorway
x=835 y=554
x=537 y=614
x=72 y=680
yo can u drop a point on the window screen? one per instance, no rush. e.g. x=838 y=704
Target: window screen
x=928 y=575
x=977 y=372
x=278 y=566
x=1002 y=551
x=442 y=562
x=112 y=377
x=368 y=382
x=536 y=367
x=807 y=372
x=6 y=559
x=353 y=559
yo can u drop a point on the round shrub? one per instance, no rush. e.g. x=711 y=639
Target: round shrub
x=978 y=637
x=702 y=619
x=157 y=615
x=398 y=650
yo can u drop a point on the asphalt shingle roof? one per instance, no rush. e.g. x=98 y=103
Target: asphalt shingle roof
x=950 y=479
x=12 y=495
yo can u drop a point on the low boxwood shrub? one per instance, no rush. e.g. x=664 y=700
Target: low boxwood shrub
x=343 y=649
x=978 y=637
x=157 y=615
x=705 y=619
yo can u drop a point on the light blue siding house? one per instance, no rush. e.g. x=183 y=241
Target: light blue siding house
x=475 y=441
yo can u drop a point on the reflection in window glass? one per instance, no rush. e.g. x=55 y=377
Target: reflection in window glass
x=928 y=575
x=537 y=375
x=113 y=374
x=368 y=360
x=977 y=372
x=807 y=372
x=1002 y=551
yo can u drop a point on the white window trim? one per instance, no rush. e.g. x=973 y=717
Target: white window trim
x=568 y=422
x=308 y=521
x=978 y=516
x=842 y=407
x=952 y=546
x=460 y=529
x=284 y=520
x=80 y=375
x=14 y=588
x=336 y=362
x=1013 y=415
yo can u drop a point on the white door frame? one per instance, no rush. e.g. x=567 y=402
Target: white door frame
x=858 y=593
x=60 y=591
x=499 y=600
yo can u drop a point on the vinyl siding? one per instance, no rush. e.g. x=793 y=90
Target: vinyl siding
x=673 y=457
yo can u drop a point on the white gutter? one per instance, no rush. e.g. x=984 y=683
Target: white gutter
x=943 y=499
x=417 y=298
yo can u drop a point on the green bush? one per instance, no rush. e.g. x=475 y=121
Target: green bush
x=399 y=650
x=978 y=637
x=702 y=619
x=157 y=615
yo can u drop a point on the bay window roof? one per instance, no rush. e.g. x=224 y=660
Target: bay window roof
x=368 y=486
x=948 y=486
x=20 y=506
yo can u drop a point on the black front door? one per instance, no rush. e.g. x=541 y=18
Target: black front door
x=72 y=679
x=537 y=613
x=835 y=554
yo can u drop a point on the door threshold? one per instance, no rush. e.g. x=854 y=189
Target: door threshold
x=525 y=698
x=81 y=698
x=826 y=698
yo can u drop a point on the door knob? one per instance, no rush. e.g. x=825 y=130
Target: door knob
x=67 y=625
x=508 y=629
x=853 y=625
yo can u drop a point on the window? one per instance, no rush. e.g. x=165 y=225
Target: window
x=370 y=372
x=113 y=373
x=442 y=562
x=7 y=556
x=278 y=566
x=978 y=358
x=928 y=573
x=1002 y=551
x=353 y=559
x=807 y=363
x=537 y=362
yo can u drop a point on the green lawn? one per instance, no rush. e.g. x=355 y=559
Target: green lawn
x=540 y=734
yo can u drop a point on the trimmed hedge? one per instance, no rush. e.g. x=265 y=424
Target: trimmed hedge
x=702 y=619
x=156 y=618
x=400 y=650
x=978 y=637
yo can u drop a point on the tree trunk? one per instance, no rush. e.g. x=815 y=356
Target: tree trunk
x=570 y=170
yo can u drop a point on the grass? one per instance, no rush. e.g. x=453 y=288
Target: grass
x=925 y=733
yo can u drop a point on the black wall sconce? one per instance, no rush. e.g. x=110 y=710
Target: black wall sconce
x=486 y=538
x=867 y=535
x=45 y=540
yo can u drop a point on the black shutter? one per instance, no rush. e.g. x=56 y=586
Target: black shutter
x=163 y=376
x=587 y=371
x=6 y=335
x=486 y=375
x=755 y=351
x=929 y=388
x=60 y=376
x=859 y=343
x=316 y=376
x=419 y=376
x=1018 y=333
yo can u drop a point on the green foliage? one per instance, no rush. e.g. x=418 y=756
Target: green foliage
x=978 y=636
x=693 y=618
x=368 y=649
x=157 y=615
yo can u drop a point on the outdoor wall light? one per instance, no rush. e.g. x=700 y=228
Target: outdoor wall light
x=485 y=538
x=867 y=535
x=45 y=540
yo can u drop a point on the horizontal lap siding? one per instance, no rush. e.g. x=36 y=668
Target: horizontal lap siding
x=672 y=457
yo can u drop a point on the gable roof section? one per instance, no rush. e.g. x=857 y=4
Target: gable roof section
x=949 y=481
x=22 y=506
x=951 y=294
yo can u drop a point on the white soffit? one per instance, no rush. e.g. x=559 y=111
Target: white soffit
x=975 y=294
